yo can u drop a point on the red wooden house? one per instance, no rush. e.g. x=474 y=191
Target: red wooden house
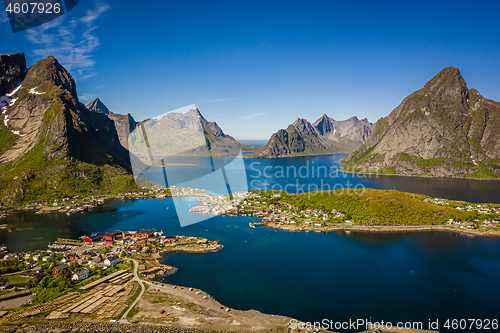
x=60 y=268
x=145 y=233
x=94 y=239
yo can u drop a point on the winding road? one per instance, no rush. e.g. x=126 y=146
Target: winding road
x=123 y=319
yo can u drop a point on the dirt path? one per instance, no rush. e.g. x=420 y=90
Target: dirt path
x=123 y=319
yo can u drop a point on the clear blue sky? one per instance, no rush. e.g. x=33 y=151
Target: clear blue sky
x=256 y=66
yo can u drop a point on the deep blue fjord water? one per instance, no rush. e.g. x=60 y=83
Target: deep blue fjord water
x=255 y=143
x=311 y=173
x=310 y=276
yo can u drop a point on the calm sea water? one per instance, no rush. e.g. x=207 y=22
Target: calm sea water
x=304 y=174
x=255 y=143
x=311 y=276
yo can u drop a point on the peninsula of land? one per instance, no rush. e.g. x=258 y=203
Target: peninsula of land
x=78 y=204
x=113 y=277
x=357 y=210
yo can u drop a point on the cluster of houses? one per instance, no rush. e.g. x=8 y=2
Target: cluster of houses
x=6 y=284
x=214 y=206
x=160 y=192
x=134 y=241
x=437 y=201
x=128 y=241
x=475 y=223
x=257 y=205
x=70 y=204
x=88 y=259
x=289 y=215
x=286 y=213
x=109 y=238
x=219 y=205
x=79 y=204
x=185 y=191
x=481 y=209
x=94 y=261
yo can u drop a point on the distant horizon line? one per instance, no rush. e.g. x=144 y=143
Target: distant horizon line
x=251 y=139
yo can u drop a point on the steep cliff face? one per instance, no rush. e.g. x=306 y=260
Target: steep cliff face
x=325 y=136
x=443 y=129
x=50 y=133
x=300 y=138
x=124 y=124
x=12 y=71
x=47 y=110
x=182 y=134
x=353 y=129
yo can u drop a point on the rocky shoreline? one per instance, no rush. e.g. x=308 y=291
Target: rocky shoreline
x=50 y=209
x=169 y=270
x=194 y=250
x=368 y=174
x=384 y=228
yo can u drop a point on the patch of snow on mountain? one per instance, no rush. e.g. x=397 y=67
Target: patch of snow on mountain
x=7 y=100
x=17 y=133
x=14 y=91
x=35 y=92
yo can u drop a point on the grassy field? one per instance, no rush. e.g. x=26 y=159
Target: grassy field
x=16 y=278
x=371 y=206
x=4 y=292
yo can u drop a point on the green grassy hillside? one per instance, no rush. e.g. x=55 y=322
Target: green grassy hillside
x=370 y=206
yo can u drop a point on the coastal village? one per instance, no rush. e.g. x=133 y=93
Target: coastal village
x=90 y=256
x=117 y=276
x=281 y=215
x=266 y=206
x=77 y=204
x=114 y=278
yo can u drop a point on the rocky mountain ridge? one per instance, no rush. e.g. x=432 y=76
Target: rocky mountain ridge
x=51 y=145
x=178 y=134
x=48 y=137
x=97 y=106
x=324 y=136
x=13 y=70
x=444 y=129
x=124 y=124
